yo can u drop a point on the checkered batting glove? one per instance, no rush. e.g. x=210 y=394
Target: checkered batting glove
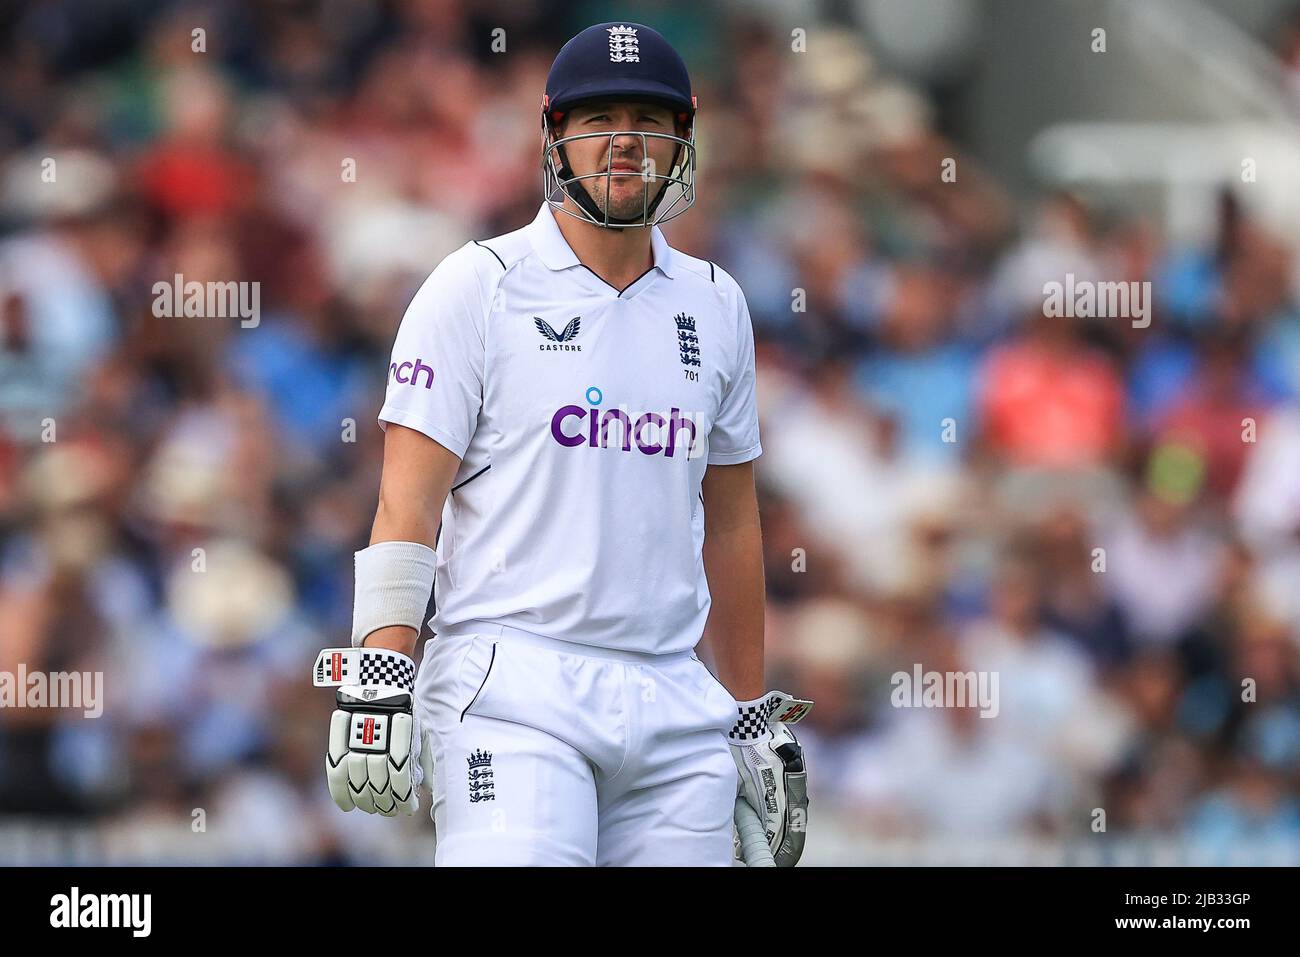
x=373 y=762
x=773 y=778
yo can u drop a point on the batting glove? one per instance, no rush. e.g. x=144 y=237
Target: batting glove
x=773 y=777
x=373 y=762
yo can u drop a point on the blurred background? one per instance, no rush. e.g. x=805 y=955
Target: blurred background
x=189 y=531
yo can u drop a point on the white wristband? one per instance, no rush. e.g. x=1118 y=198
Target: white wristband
x=394 y=581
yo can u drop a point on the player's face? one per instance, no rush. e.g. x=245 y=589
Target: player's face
x=632 y=162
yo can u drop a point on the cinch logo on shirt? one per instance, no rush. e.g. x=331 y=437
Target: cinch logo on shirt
x=408 y=373
x=651 y=433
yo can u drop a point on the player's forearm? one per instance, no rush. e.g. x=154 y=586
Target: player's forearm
x=416 y=478
x=405 y=521
x=399 y=524
x=733 y=561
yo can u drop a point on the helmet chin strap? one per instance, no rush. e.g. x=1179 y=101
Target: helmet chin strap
x=578 y=193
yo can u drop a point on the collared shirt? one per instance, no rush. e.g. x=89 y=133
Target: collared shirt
x=584 y=417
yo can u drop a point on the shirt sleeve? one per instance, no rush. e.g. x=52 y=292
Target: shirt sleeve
x=734 y=438
x=435 y=374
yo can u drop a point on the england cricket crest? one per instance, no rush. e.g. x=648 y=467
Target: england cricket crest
x=688 y=343
x=623 y=45
x=481 y=787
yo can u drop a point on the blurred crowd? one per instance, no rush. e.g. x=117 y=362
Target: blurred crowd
x=1105 y=516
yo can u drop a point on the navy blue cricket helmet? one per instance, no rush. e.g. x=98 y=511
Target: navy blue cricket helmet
x=619 y=61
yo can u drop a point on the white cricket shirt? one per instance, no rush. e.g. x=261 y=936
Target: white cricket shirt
x=584 y=418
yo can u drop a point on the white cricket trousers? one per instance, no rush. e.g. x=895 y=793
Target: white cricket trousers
x=550 y=753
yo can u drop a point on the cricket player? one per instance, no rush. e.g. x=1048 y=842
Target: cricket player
x=570 y=430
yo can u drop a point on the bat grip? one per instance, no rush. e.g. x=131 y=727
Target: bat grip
x=754 y=850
